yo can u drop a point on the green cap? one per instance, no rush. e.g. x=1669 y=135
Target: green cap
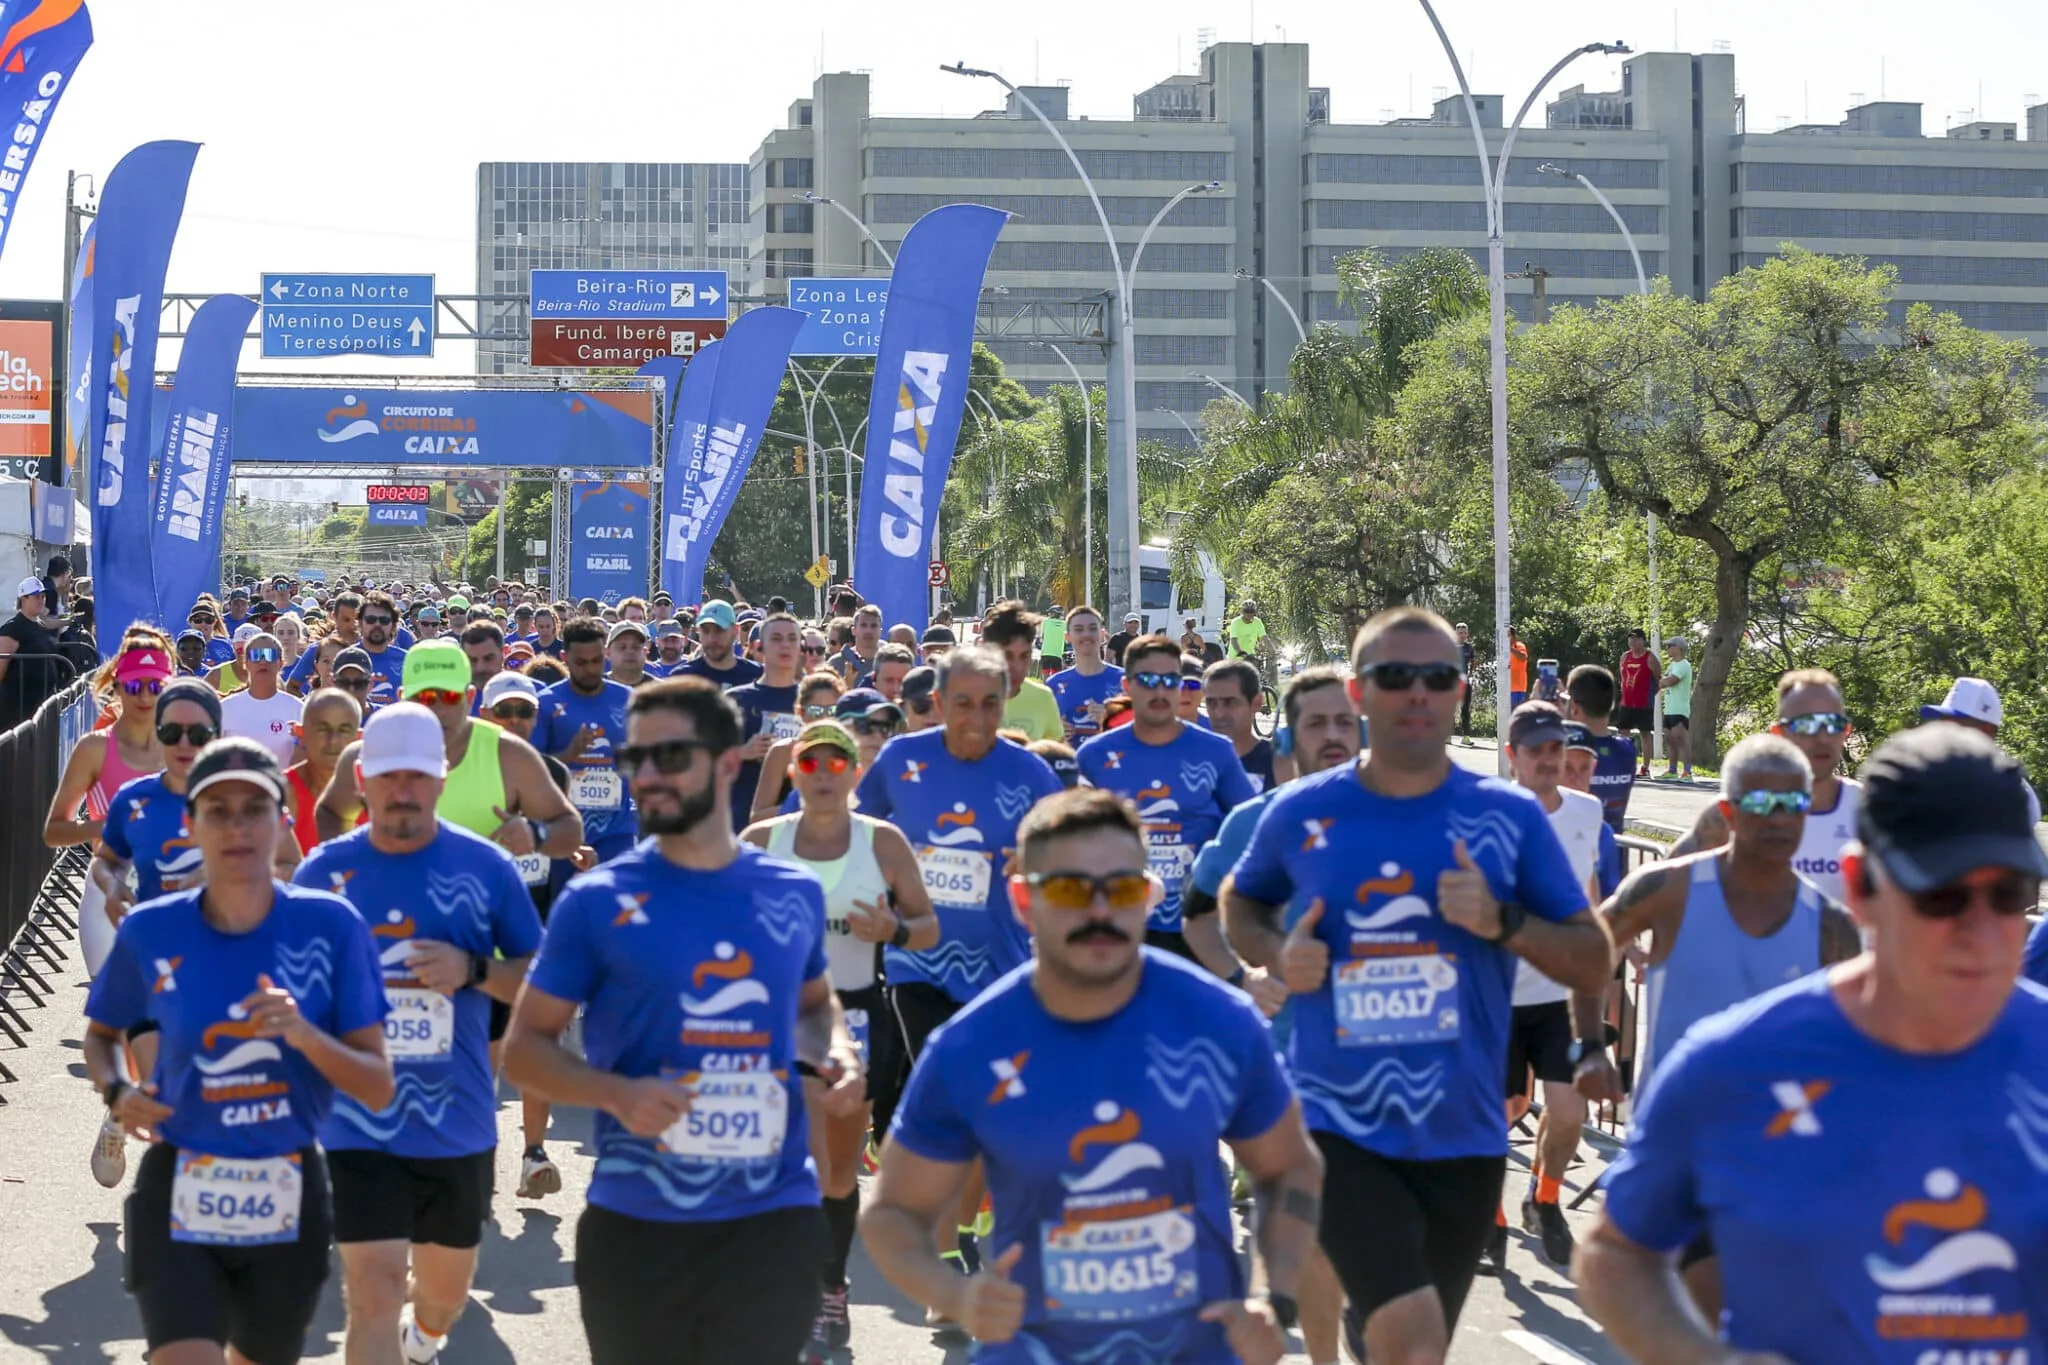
x=434 y=663
x=458 y=602
x=830 y=733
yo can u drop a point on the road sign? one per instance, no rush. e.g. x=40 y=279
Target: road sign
x=937 y=574
x=627 y=294
x=844 y=316
x=382 y=514
x=615 y=342
x=820 y=573
x=315 y=315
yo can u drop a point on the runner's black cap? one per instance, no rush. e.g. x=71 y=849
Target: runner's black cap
x=1942 y=801
x=920 y=683
x=1535 y=722
x=235 y=759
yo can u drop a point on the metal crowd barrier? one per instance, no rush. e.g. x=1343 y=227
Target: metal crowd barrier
x=38 y=911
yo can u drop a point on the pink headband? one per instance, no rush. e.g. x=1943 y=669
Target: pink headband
x=140 y=665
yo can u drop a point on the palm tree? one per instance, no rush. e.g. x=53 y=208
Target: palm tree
x=1017 y=500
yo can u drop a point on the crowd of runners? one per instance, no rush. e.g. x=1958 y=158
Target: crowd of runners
x=1024 y=950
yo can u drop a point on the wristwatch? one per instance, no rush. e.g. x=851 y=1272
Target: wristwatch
x=540 y=833
x=901 y=938
x=1512 y=918
x=479 y=969
x=1583 y=1049
x=1286 y=1311
x=112 y=1093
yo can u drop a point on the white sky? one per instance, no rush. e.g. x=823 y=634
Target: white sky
x=345 y=136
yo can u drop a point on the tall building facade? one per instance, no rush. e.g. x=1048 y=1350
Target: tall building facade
x=1287 y=191
x=598 y=214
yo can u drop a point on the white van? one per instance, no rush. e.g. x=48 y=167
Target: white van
x=1160 y=603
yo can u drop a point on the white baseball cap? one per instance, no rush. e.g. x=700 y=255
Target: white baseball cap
x=403 y=738
x=503 y=685
x=29 y=587
x=1968 y=699
x=248 y=630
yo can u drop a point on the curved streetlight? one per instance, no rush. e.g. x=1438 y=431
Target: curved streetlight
x=1551 y=168
x=812 y=197
x=1206 y=187
x=1123 y=437
x=1300 y=332
x=1175 y=415
x=1493 y=182
x=1087 y=467
x=1213 y=382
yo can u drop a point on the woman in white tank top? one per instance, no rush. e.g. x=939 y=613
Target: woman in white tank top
x=874 y=894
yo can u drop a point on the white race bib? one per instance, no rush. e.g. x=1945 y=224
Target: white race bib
x=734 y=1117
x=533 y=868
x=223 y=1201
x=781 y=725
x=594 y=789
x=955 y=878
x=421 y=1025
x=1119 y=1269
x=1383 y=1001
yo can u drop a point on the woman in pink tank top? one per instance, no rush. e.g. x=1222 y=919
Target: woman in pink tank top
x=105 y=759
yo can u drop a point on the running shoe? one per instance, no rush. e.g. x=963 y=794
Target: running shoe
x=835 y=1327
x=418 y=1350
x=1547 y=1222
x=538 y=1176
x=970 y=1247
x=110 y=1153
x=1495 y=1261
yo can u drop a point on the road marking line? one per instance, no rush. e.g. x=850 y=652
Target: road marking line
x=1544 y=1349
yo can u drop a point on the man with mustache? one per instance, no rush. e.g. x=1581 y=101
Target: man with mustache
x=1114 y=1213
x=1725 y=926
x=699 y=965
x=454 y=928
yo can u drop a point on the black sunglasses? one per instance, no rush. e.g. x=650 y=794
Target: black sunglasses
x=2012 y=894
x=863 y=725
x=353 y=684
x=1393 y=676
x=136 y=687
x=670 y=756
x=379 y=620
x=922 y=705
x=512 y=710
x=198 y=736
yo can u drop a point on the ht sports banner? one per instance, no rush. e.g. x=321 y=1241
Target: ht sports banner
x=687 y=424
x=38 y=52
x=709 y=460
x=920 y=395
x=192 y=482
x=139 y=210
x=608 y=535
x=448 y=428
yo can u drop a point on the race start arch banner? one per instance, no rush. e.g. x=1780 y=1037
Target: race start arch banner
x=446 y=428
x=610 y=525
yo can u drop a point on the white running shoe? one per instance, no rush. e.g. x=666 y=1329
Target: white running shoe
x=418 y=1350
x=538 y=1177
x=110 y=1153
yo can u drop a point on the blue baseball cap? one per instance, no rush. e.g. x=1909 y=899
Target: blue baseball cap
x=717 y=613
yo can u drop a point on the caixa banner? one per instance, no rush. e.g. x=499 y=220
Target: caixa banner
x=445 y=428
x=610 y=525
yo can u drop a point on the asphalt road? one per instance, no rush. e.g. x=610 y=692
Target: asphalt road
x=61 y=1299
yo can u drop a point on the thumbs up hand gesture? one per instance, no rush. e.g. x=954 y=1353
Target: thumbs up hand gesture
x=1465 y=899
x=1304 y=958
x=991 y=1308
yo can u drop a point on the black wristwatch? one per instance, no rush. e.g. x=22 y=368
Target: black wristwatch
x=479 y=969
x=1581 y=1049
x=901 y=938
x=540 y=833
x=1512 y=918
x=112 y=1093
x=1286 y=1311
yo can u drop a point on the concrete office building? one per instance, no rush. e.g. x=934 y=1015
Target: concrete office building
x=554 y=214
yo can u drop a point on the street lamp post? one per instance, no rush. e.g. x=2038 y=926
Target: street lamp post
x=1494 y=184
x=1649 y=518
x=1087 y=466
x=812 y=197
x=1213 y=382
x=1121 y=414
x=1192 y=435
x=1300 y=332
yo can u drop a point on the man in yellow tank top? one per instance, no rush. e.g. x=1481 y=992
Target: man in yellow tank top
x=497 y=785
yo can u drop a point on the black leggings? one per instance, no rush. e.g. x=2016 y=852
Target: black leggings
x=1391 y=1227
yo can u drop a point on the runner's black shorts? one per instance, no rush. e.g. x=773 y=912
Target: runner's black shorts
x=1391 y=1227
x=260 y=1300
x=501 y=1018
x=714 y=1293
x=1540 y=1037
x=1173 y=942
x=440 y=1201
x=1671 y=720
x=1630 y=718
x=884 y=1056
x=920 y=1008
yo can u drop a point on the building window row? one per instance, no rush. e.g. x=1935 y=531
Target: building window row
x=1579 y=264
x=1983 y=182
x=2023 y=272
x=1044 y=163
x=1180 y=257
x=1986 y=315
x=1399 y=168
x=1469 y=215
x=1182 y=395
x=1059 y=210
x=788 y=173
x=1897 y=225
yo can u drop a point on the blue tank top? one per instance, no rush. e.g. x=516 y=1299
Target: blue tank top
x=1714 y=964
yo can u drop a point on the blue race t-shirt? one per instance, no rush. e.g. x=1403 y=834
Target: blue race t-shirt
x=2035 y=968
x=764 y=710
x=463 y=890
x=1182 y=790
x=1221 y=853
x=1868 y=1205
x=742 y=672
x=1073 y=690
x=1099 y=1140
x=596 y=787
x=146 y=825
x=387 y=667
x=219 y=651
x=231 y=1093
x=961 y=818
x=1401 y=1051
x=694 y=976
x=1614 y=776
x=1609 y=869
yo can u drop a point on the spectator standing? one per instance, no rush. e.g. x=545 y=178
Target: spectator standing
x=30 y=666
x=1465 y=662
x=1634 y=714
x=1676 y=685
